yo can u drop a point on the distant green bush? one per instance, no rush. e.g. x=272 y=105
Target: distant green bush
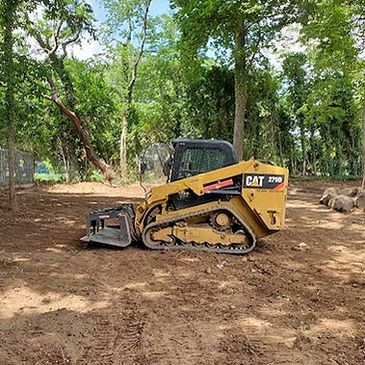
x=95 y=176
x=51 y=177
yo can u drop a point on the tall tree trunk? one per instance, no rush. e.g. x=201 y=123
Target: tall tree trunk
x=9 y=81
x=240 y=90
x=313 y=152
x=129 y=97
x=177 y=113
x=281 y=150
x=304 y=152
x=123 y=148
x=363 y=147
x=11 y=164
x=273 y=132
x=66 y=160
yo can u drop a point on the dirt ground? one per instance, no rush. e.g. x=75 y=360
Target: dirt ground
x=299 y=298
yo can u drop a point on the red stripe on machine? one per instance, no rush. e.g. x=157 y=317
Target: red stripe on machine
x=218 y=185
x=280 y=186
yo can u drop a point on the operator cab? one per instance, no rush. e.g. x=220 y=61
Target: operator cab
x=184 y=158
x=196 y=156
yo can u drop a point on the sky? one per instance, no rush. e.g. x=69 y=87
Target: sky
x=158 y=7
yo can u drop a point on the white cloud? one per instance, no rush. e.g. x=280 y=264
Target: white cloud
x=87 y=49
x=287 y=42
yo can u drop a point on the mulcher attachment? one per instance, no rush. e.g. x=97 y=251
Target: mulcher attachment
x=120 y=230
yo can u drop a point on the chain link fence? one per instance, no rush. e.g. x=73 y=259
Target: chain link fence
x=24 y=167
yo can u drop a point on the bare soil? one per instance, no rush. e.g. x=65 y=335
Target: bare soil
x=299 y=298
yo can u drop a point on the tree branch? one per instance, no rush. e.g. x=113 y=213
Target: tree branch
x=47 y=97
x=69 y=41
x=56 y=34
x=53 y=89
x=255 y=48
x=139 y=56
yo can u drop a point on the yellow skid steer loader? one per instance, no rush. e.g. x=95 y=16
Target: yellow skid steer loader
x=210 y=202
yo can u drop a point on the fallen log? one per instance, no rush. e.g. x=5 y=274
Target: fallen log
x=349 y=191
x=342 y=203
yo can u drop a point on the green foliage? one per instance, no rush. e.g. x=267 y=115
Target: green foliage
x=99 y=104
x=95 y=176
x=332 y=110
x=217 y=21
x=52 y=178
x=308 y=116
x=210 y=102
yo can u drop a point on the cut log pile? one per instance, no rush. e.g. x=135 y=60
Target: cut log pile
x=344 y=199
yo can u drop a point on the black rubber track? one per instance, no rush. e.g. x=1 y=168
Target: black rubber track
x=234 y=249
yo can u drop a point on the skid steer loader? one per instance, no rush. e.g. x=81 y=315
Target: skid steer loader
x=210 y=202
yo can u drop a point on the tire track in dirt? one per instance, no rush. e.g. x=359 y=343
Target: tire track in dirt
x=137 y=337
x=100 y=350
x=175 y=340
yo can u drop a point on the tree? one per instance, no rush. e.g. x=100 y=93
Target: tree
x=8 y=23
x=149 y=88
x=363 y=149
x=210 y=102
x=333 y=30
x=134 y=15
x=358 y=18
x=62 y=24
x=160 y=94
x=244 y=28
